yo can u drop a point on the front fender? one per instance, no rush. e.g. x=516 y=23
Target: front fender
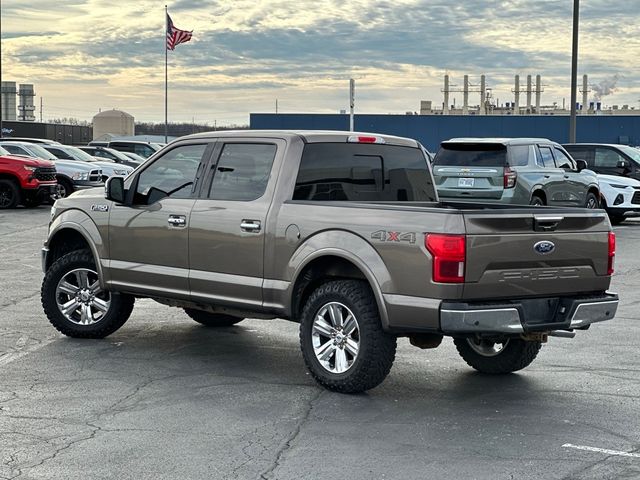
x=81 y=223
x=351 y=247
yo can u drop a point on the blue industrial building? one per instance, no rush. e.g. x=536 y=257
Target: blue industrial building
x=430 y=130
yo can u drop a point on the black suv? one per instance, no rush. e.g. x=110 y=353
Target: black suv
x=608 y=159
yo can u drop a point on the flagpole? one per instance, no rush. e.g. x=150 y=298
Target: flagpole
x=166 y=75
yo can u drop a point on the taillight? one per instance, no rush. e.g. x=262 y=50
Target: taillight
x=510 y=177
x=612 y=253
x=449 y=254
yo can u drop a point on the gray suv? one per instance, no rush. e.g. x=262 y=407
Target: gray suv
x=531 y=171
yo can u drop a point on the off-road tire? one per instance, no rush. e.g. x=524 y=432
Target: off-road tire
x=516 y=355
x=212 y=319
x=10 y=192
x=377 y=349
x=119 y=309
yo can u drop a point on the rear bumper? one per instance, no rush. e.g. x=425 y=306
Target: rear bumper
x=524 y=316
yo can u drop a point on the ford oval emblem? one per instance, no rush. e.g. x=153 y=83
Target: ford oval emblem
x=544 y=247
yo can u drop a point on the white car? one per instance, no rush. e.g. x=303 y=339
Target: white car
x=621 y=197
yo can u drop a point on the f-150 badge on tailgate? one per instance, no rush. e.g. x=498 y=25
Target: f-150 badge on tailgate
x=544 y=247
x=384 y=236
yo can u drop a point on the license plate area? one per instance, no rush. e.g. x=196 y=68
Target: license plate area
x=466 y=182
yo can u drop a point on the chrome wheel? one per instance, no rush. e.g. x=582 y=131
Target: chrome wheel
x=487 y=348
x=80 y=298
x=335 y=336
x=61 y=191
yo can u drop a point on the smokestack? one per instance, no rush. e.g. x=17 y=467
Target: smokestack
x=538 y=92
x=465 y=96
x=446 y=95
x=528 y=94
x=585 y=93
x=483 y=95
x=516 y=103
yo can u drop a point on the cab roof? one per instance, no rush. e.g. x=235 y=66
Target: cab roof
x=308 y=136
x=502 y=140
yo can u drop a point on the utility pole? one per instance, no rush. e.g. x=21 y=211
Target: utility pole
x=352 y=102
x=40 y=109
x=574 y=72
x=276 y=106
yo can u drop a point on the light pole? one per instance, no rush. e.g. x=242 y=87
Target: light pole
x=574 y=72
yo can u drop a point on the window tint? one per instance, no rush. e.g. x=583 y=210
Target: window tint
x=174 y=173
x=471 y=155
x=563 y=160
x=242 y=171
x=580 y=153
x=16 y=150
x=59 y=153
x=124 y=147
x=607 y=158
x=142 y=150
x=546 y=157
x=363 y=172
x=519 y=155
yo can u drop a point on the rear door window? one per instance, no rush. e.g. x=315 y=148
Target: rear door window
x=242 y=171
x=363 y=172
x=471 y=155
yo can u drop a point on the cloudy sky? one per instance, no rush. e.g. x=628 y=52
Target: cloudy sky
x=245 y=54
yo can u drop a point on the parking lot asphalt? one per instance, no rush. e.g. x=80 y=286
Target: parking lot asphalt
x=165 y=397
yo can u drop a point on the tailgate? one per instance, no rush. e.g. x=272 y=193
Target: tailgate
x=532 y=252
x=472 y=182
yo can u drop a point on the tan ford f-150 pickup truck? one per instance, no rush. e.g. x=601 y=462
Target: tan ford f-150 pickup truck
x=341 y=232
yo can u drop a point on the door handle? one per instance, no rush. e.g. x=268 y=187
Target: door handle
x=566 y=177
x=250 y=225
x=177 y=220
x=547 y=176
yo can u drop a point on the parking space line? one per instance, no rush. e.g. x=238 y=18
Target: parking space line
x=21 y=352
x=601 y=450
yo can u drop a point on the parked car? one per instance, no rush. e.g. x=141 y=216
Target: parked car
x=124 y=158
x=109 y=167
x=340 y=232
x=30 y=140
x=519 y=171
x=608 y=159
x=144 y=149
x=26 y=181
x=620 y=197
x=72 y=175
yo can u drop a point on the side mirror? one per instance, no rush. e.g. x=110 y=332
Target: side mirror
x=582 y=165
x=114 y=189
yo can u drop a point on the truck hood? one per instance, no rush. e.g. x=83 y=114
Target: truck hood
x=76 y=166
x=28 y=161
x=616 y=180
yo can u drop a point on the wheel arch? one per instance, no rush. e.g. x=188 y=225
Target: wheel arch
x=67 y=235
x=312 y=266
x=538 y=191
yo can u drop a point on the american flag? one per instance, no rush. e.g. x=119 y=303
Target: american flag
x=175 y=36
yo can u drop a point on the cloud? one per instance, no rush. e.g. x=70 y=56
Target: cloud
x=245 y=54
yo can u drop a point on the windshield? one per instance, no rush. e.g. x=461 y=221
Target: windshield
x=40 y=152
x=632 y=152
x=117 y=154
x=79 y=154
